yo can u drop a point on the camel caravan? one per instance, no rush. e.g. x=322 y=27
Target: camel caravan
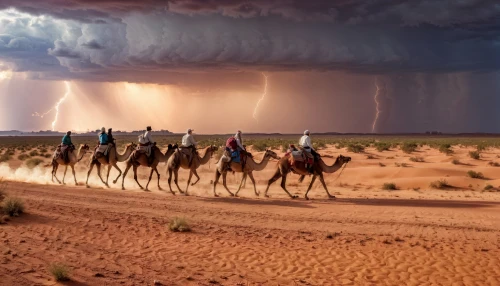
x=302 y=160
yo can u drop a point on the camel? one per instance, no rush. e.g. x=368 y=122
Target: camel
x=73 y=159
x=179 y=160
x=111 y=161
x=250 y=166
x=285 y=166
x=140 y=159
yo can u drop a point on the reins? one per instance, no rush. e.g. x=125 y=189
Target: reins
x=343 y=167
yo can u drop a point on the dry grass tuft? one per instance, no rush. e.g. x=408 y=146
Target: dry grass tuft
x=440 y=184
x=59 y=271
x=13 y=206
x=179 y=224
x=417 y=159
x=389 y=186
x=474 y=155
x=475 y=175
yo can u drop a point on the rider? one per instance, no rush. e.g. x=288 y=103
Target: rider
x=111 y=139
x=189 y=142
x=148 y=139
x=66 y=143
x=103 y=140
x=305 y=143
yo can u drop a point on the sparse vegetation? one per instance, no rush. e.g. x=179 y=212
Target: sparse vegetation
x=179 y=224
x=370 y=156
x=355 y=148
x=409 y=147
x=13 y=206
x=34 y=153
x=382 y=146
x=417 y=159
x=489 y=188
x=475 y=175
x=381 y=164
x=474 y=155
x=59 y=271
x=389 y=186
x=445 y=148
x=23 y=157
x=456 y=162
x=404 y=165
x=33 y=162
x=494 y=164
x=440 y=184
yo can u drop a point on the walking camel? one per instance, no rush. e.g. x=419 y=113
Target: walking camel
x=285 y=166
x=110 y=160
x=179 y=160
x=250 y=166
x=141 y=159
x=73 y=159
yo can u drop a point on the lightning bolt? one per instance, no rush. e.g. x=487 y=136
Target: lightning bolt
x=262 y=97
x=377 y=107
x=56 y=107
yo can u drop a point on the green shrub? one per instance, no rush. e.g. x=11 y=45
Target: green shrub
x=474 y=155
x=23 y=157
x=446 y=149
x=259 y=146
x=417 y=159
x=389 y=186
x=33 y=162
x=475 y=175
x=13 y=206
x=440 y=184
x=409 y=147
x=59 y=271
x=355 y=148
x=381 y=146
x=179 y=224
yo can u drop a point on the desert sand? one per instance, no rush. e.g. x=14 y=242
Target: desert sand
x=415 y=235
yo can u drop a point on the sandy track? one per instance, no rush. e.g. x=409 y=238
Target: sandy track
x=124 y=237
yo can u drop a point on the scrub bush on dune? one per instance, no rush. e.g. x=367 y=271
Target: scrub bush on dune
x=13 y=206
x=179 y=224
x=60 y=272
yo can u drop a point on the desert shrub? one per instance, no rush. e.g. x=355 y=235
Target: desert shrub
x=23 y=157
x=494 y=164
x=4 y=157
x=10 y=152
x=13 y=206
x=456 y=162
x=34 y=153
x=390 y=157
x=404 y=165
x=488 y=188
x=382 y=146
x=47 y=155
x=179 y=224
x=355 y=148
x=446 y=149
x=440 y=184
x=33 y=162
x=59 y=271
x=475 y=175
x=370 y=157
x=381 y=164
x=409 y=147
x=474 y=155
x=481 y=147
x=259 y=146
x=417 y=159
x=389 y=186
x=318 y=145
x=43 y=150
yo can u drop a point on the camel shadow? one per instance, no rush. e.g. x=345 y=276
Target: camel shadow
x=262 y=202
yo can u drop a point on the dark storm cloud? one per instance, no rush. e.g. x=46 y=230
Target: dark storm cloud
x=384 y=36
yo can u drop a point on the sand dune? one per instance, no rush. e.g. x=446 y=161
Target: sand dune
x=415 y=235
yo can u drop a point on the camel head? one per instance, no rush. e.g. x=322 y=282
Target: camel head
x=85 y=148
x=343 y=159
x=271 y=154
x=132 y=146
x=175 y=146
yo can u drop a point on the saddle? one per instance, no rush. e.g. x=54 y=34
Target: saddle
x=300 y=155
x=102 y=150
x=62 y=152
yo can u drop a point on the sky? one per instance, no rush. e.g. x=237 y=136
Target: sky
x=381 y=66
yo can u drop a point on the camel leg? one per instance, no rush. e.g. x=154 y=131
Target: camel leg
x=275 y=177
x=283 y=186
x=125 y=174
x=224 y=175
x=241 y=183
x=107 y=176
x=322 y=180
x=189 y=181
x=54 y=173
x=64 y=176
x=99 y=173
x=150 y=176
x=134 y=168
x=74 y=175
x=119 y=173
x=170 y=180
x=176 y=180
x=253 y=181
x=301 y=178
x=158 y=173
x=310 y=185
x=216 y=180
x=88 y=173
x=195 y=173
